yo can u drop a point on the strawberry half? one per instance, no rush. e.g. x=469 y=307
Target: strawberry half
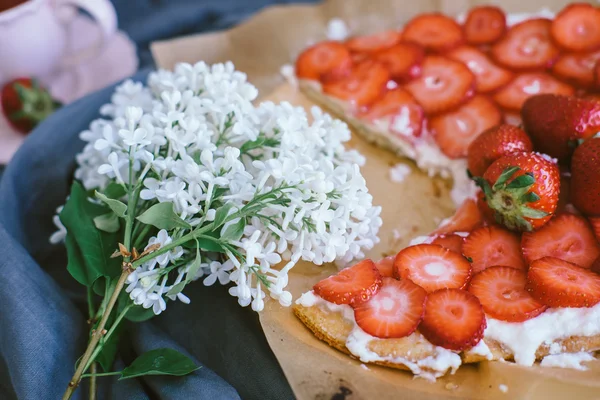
x=522 y=189
x=394 y=312
x=555 y=122
x=585 y=177
x=494 y=143
x=432 y=267
x=559 y=283
x=466 y=218
x=513 y=96
x=527 y=45
x=453 y=319
x=385 y=266
x=444 y=84
x=577 y=68
x=365 y=84
x=595 y=222
x=567 y=236
x=501 y=291
x=373 y=43
x=488 y=76
x=454 y=131
x=329 y=59
x=450 y=241
x=351 y=285
x=484 y=25
x=434 y=31
x=402 y=60
x=577 y=27
x=492 y=245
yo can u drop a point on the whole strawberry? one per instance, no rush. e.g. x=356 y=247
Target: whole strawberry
x=522 y=189
x=555 y=123
x=585 y=177
x=494 y=143
x=25 y=103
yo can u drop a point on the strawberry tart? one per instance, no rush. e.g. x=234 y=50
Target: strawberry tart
x=510 y=109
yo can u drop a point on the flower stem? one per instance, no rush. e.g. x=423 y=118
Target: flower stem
x=108 y=334
x=93 y=375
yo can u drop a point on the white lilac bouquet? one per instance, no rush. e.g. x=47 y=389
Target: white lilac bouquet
x=186 y=179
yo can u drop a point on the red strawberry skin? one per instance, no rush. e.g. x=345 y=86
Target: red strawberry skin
x=24 y=117
x=493 y=245
x=453 y=319
x=553 y=122
x=394 y=312
x=595 y=222
x=585 y=177
x=352 y=285
x=558 y=283
x=466 y=218
x=501 y=291
x=494 y=143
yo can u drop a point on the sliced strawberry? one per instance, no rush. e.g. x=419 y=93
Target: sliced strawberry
x=432 y=267
x=453 y=319
x=513 y=118
x=450 y=241
x=375 y=42
x=402 y=60
x=595 y=222
x=444 y=84
x=484 y=25
x=466 y=218
x=434 y=31
x=577 y=27
x=577 y=68
x=357 y=58
x=392 y=103
x=596 y=74
x=386 y=266
x=558 y=283
x=527 y=45
x=513 y=96
x=493 y=245
x=501 y=291
x=596 y=266
x=329 y=59
x=363 y=86
x=408 y=122
x=566 y=236
x=488 y=76
x=454 y=131
x=487 y=213
x=351 y=285
x=394 y=312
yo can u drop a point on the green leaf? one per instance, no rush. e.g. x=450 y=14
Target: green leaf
x=485 y=186
x=177 y=288
x=533 y=213
x=106 y=357
x=530 y=197
x=117 y=206
x=505 y=176
x=208 y=241
x=95 y=246
x=522 y=181
x=193 y=270
x=162 y=216
x=234 y=231
x=221 y=214
x=160 y=362
x=108 y=222
x=115 y=190
x=139 y=314
x=251 y=145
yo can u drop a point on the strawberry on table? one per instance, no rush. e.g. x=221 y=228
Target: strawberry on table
x=450 y=241
x=577 y=68
x=375 y=42
x=501 y=291
x=326 y=59
x=453 y=319
x=555 y=122
x=444 y=84
x=351 y=285
x=386 y=266
x=513 y=96
x=577 y=27
x=25 y=103
x=484 y=25
x=455 y=130
x=394 y=312
x=434 y=31
x=492 y=245
x=527 y=45
x=494 y=143
x=522 y=189
x=402 y=60
x=466 y=218
x=558 y=283
x=488 y=76
x=585 y=177
x=432 y=267
x=365 y=84
x=567 y=236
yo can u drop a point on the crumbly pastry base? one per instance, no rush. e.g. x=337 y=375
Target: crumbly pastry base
x=332 y=328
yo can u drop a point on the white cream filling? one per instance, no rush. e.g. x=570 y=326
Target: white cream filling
x=567 y=360
x=337 y=29
x=399 y=172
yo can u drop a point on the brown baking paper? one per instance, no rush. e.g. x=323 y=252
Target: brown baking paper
x=259 y=47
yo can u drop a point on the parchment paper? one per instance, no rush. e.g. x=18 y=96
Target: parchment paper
x=260 y=47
